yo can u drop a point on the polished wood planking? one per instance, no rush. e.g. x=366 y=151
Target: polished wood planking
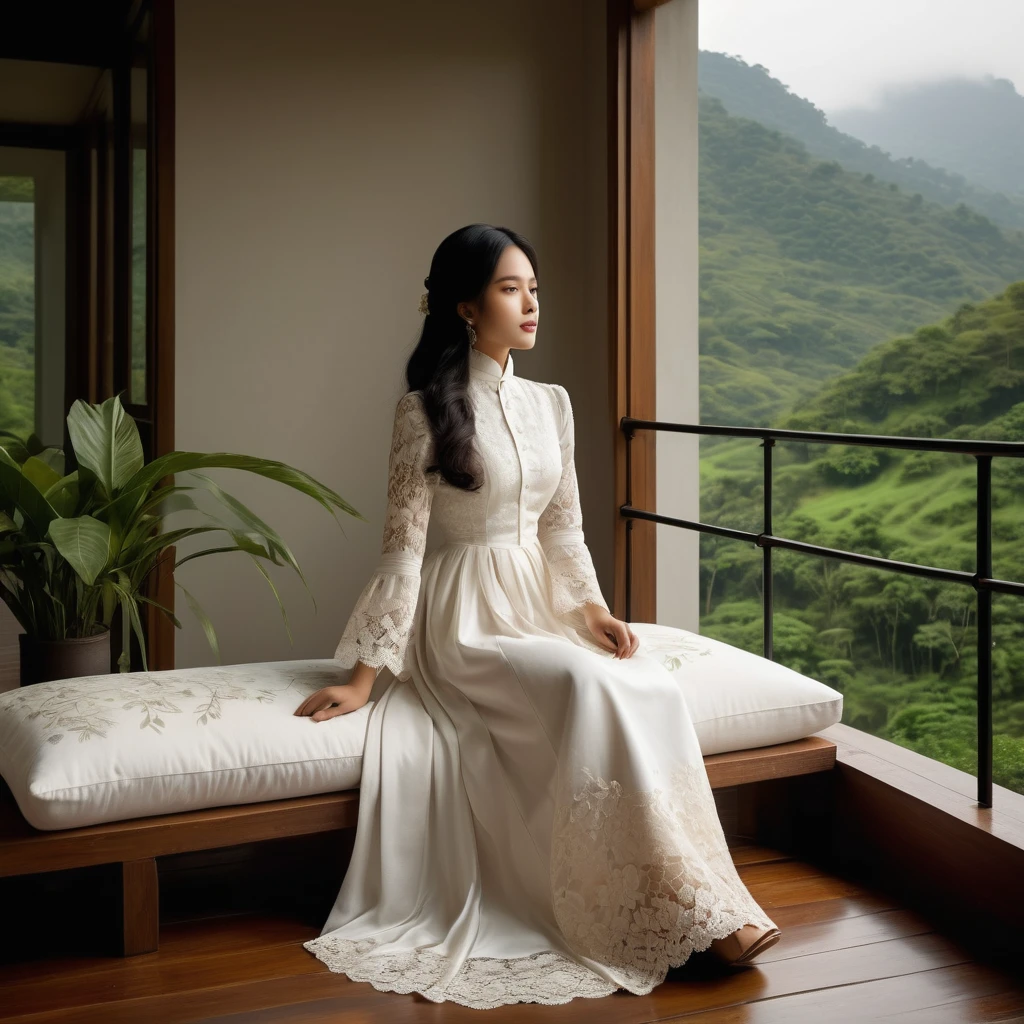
x=844 y=950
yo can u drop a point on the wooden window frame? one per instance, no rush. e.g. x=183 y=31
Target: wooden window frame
x=632 y=309
x=98 y=237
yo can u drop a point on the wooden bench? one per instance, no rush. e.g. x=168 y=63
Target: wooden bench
x=134 y=845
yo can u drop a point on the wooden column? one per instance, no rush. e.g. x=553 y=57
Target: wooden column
x=632 y=312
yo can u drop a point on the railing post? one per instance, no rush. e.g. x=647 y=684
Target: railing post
x=984 y=535
x=982 y=581
x=767 y=591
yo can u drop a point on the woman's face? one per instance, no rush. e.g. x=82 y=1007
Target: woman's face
x=509 y=301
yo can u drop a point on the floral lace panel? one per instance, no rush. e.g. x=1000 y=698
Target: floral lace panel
x=380 y=626
x=560 y=531
x=481 y=982
x=641 y=880
x=573 y=579
x=410 y=491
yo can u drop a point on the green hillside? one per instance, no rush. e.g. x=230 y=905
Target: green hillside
x=902 y=649
x=805 y=266
x=17 y=305
x=750 y=91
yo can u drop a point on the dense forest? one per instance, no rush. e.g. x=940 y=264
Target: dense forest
x=902 y=649
x=831 y=300
x=805 y=266
x=17 y=305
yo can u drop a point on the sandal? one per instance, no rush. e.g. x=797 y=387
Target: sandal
x=730 y=950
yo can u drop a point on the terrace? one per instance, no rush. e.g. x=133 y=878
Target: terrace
x=213 y=178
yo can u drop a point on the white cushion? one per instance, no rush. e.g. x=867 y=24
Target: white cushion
x=125 y=745
x=110 y=747
x=739 y=700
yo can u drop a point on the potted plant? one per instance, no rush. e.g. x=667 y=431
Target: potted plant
x=75 y=547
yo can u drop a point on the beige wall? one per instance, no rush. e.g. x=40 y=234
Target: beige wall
x=323 y=151
x=677 y=262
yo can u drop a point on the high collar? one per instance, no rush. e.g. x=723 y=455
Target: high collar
x=483 y=367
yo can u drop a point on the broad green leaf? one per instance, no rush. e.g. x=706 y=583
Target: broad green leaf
x=156 y=604
x=85 y=543
x=168 y=500
x=106 y=440
x=128 y=603
x=280 y=603
x=41 y=473
x=18 y=492
x=211 y=633
x=53 y=457
x=14 y=447
x=253 y=521
x=182 y=462
x=63 y=495
x=149 y=548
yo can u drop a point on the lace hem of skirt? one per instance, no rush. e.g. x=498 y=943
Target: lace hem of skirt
x=481 y=983
x=484 y=983
x=643 y=879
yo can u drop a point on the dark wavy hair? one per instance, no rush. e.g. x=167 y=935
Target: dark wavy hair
x=460 y=271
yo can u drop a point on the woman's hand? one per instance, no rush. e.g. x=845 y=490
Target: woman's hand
x=611 y=633
x=348 y=698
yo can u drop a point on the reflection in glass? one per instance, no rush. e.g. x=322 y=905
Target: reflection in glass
x=17 y=305
x=139 y=135
x=138 y=379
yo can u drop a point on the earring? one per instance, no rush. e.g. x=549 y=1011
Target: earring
x=471 y=333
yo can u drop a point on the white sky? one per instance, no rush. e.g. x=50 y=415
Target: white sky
x=841 y=54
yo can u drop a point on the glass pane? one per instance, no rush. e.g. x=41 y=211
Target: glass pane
x=138 y=388
x=862 y=272
x=17 y=305
x=139 y=135
x=1008 y=691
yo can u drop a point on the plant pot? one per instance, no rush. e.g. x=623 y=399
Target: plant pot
x=42 y=660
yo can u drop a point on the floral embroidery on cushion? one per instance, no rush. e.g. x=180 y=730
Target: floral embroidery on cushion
x=675 y=648
x=89 y=706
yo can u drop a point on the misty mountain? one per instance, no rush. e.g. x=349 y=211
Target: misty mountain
x=805 y=266
x=750 y=91
x=971 y=127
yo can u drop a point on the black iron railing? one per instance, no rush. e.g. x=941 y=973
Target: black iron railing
x=981 y=579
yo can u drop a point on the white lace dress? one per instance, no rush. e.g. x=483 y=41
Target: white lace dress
x=535 y=820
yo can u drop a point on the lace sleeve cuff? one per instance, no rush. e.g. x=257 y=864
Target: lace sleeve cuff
x=381 y=624
x=573 y=578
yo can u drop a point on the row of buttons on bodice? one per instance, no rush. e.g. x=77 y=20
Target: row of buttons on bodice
x=522 y=434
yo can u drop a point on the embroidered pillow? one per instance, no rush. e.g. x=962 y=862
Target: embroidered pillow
x=739 y=700
x=110 y=747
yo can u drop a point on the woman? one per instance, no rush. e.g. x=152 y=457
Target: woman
x=535 y=820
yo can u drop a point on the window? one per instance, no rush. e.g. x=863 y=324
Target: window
x=862 y=271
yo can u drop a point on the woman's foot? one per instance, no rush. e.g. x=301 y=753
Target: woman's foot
x=742 y=946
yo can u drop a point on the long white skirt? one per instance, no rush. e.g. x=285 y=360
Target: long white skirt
x=535 y=820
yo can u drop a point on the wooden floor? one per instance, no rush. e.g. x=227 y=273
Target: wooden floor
x=846 y=954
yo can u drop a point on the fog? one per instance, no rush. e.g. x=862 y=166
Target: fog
x=844 y=55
